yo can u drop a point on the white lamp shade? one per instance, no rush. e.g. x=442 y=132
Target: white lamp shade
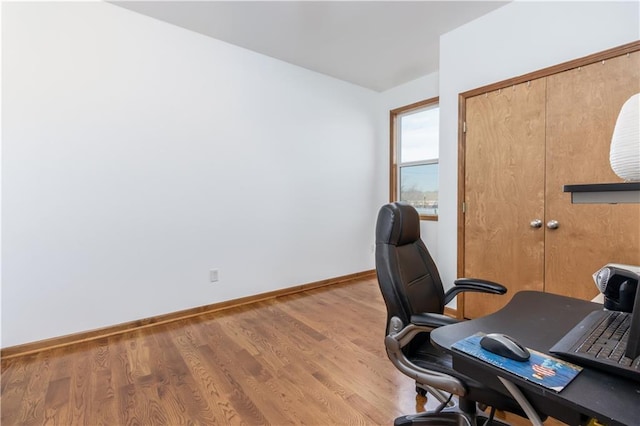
x=624 y=155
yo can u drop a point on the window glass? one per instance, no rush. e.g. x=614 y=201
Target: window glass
x=415 y=142
x=419 y=187
x=419 y=135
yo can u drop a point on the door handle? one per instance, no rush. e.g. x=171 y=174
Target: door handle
x=553 y=224
x=536 y=223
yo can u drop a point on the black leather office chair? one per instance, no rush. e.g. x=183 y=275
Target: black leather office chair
x=415 y=300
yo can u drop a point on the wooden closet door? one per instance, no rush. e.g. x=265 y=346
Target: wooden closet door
x=582 y=107
x=504 y=192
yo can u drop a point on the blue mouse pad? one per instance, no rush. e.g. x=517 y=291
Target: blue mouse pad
x=545 y=370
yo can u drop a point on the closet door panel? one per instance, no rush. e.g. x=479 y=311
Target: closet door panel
x=504 y=192
x=582 y=107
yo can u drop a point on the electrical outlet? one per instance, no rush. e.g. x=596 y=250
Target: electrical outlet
x=214 y=275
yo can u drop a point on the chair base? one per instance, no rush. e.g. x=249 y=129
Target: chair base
x=439 y=419
x=461 y=412
x=450 y=418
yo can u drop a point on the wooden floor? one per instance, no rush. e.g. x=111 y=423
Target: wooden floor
x=312 y=358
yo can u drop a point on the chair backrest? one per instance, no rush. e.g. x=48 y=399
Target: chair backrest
x=407 y=275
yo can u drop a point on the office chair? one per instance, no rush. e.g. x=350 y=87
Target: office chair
x=415 y=300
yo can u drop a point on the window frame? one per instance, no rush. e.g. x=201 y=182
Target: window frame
x=394 y=115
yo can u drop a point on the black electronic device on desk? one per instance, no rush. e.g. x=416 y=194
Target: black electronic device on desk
x=618 y=285
x=608 y=340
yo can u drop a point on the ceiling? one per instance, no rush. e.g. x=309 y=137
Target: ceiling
x=374 y=44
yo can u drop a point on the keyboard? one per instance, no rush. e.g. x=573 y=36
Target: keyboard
x=600 y=341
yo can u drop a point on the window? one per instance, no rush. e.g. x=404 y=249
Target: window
x=414 y=156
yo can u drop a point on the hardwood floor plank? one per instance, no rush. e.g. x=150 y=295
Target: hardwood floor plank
x=32 y=412
x=314 y=358
x=56 y=401
x=178 y=390
x=210 y=385
x=14 y=380
x=103 y=390
x=222 y=360
x=80 y=401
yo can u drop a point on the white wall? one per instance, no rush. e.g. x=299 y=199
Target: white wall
x=516 y=39
x=414 y=91
x=138 y=155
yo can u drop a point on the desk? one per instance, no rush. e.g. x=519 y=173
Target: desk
x=538 y=320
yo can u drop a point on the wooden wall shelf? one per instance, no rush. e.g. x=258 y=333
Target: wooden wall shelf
x=604 y=193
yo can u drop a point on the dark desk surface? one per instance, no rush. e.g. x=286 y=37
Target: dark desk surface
x=538 y=321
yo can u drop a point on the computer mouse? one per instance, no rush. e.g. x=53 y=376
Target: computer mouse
x=505 y=346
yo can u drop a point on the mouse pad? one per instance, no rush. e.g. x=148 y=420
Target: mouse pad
x=543 y=369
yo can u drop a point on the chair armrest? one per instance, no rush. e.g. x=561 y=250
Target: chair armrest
x=473 y=284
x=396 y=340
x=432 y=320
